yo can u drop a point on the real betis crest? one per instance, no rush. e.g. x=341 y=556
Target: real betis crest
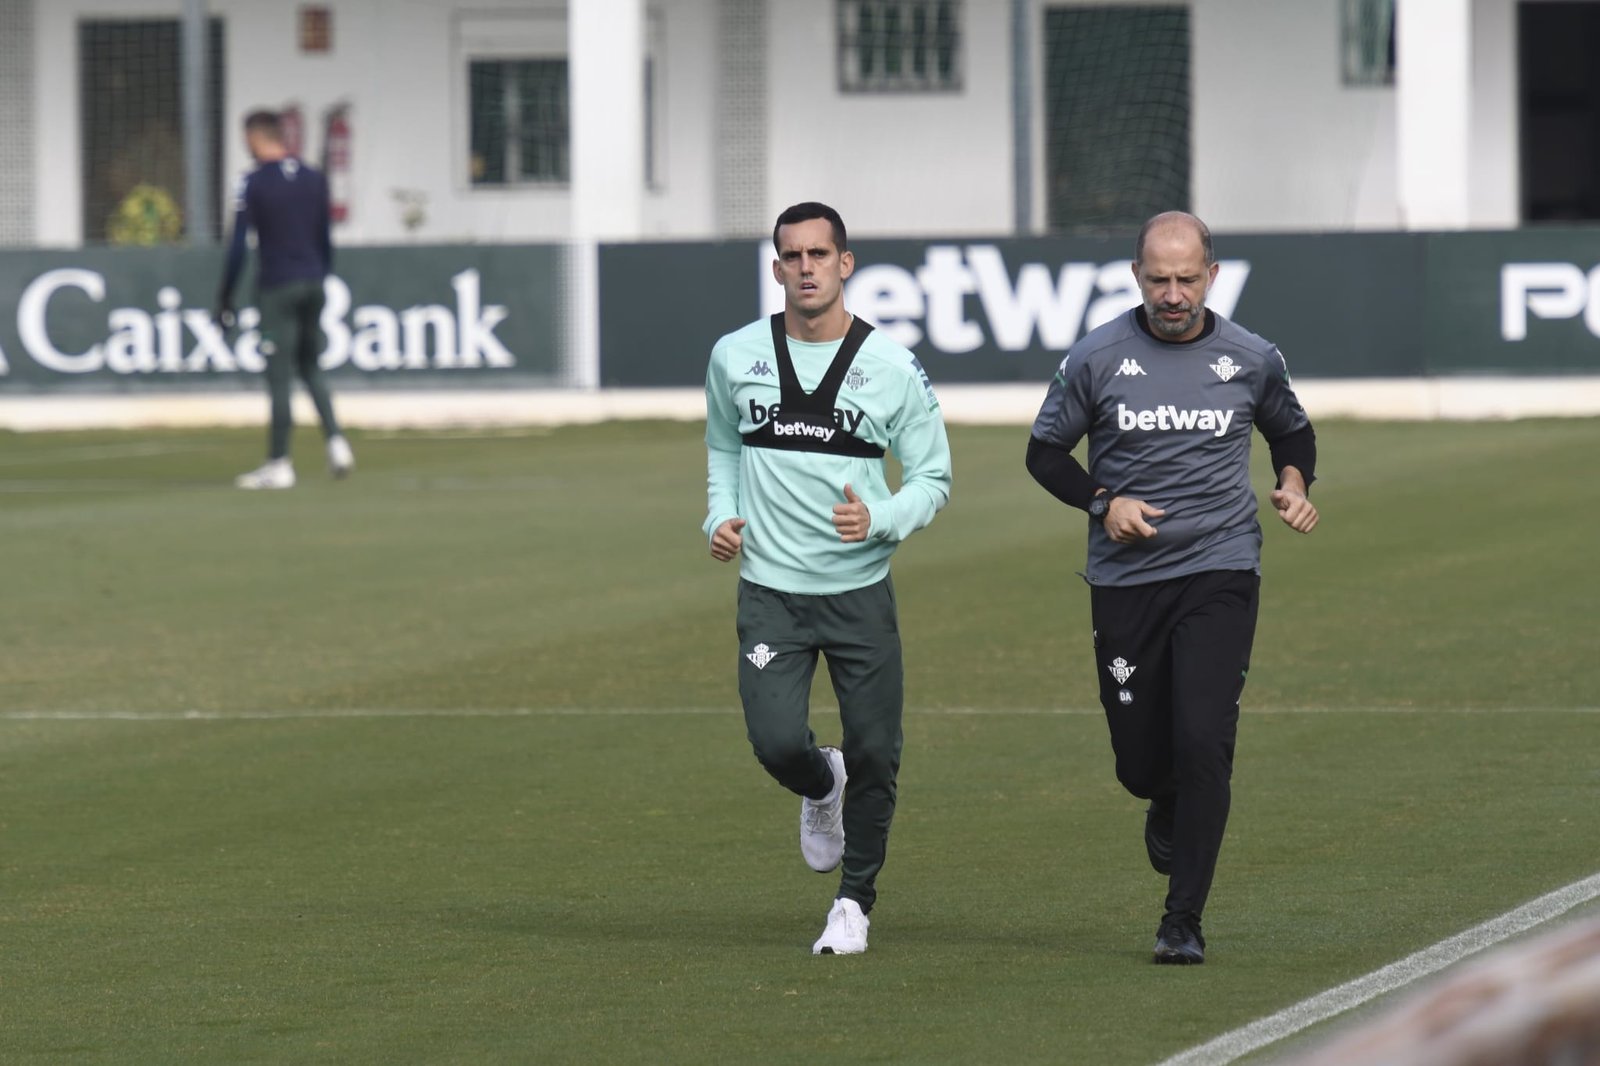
x=1225 y=368
x=855 y=379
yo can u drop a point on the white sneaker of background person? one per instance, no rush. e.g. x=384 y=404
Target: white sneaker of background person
x=272 y=474
x=846 y=933
x=341 y=460
x=822 y=821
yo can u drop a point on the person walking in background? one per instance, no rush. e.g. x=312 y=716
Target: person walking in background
x=1167 y=395
x=286 y=203
x=800 y=409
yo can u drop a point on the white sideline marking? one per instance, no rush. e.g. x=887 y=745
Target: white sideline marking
x=351 y=712
x=1404 y=399
x=40 y=487
x=208 y=715
x=94 y=452
x=1275 y=1027
x=487 y=433
x=212 y=715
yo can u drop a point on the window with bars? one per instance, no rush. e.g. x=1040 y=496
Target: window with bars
x=519 y=121
x=1367 y=37
x=131 y=126
x=899 y=46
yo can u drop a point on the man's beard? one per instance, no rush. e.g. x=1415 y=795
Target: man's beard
x=1168 y=327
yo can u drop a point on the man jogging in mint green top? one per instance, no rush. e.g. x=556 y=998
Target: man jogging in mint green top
x=799 y=411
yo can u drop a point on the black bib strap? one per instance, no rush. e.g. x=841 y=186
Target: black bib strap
x=822 y=400
x=809 y=433
x=805 y=421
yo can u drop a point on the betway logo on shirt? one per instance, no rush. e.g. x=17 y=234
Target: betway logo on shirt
x=1019 y=305
x=1167 y=418
x=842 y=419
x=802 y=429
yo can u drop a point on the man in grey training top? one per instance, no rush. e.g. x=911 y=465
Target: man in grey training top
x=1167 y=395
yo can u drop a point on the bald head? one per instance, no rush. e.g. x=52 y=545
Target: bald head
x=1175 y=225
x=1175 y=267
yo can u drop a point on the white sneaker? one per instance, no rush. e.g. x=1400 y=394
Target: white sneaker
x=341 y=460
x=272 y=474
x=822 y=821
x=846 y=933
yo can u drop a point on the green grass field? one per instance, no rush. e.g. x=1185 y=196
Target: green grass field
x=253 y=807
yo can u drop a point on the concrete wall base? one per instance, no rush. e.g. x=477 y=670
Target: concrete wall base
x=1411 y=399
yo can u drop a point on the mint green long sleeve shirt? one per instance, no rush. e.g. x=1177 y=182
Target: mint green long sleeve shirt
x=787 y=497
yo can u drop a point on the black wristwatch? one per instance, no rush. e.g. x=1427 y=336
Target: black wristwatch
x=1099 y=506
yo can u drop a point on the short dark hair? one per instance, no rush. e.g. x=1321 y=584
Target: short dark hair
x=1167 y=218
x=264 y=122
x=805 y=213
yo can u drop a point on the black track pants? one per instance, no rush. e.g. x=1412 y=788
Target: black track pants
x=1172 y=658
x=780 y=635
x=291 y=339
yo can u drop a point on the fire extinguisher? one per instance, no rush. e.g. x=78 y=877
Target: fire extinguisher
x=336 y=160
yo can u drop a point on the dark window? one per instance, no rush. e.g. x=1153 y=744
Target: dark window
x=1116 y=115
x=131 y=129
x=1559 y=94
x=520 y=121
x=899 y=45
x=1368 y=40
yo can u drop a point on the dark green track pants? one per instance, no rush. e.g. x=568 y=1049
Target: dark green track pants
x=858 y=632
x=291 y=340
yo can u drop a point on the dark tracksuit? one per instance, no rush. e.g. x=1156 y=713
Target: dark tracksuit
x=286 y=204
x=1175 y=614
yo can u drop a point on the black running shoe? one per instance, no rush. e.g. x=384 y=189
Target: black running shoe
x=1158 y=834
x=1179 y=943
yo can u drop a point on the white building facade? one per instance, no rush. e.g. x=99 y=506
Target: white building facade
x=725 y=111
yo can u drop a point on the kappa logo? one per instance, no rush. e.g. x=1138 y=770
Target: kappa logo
x=760 y=370
x=761 y=655
x=1225 y=368
x=1121 y=670
x=1131 y=367
x=855 y=379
